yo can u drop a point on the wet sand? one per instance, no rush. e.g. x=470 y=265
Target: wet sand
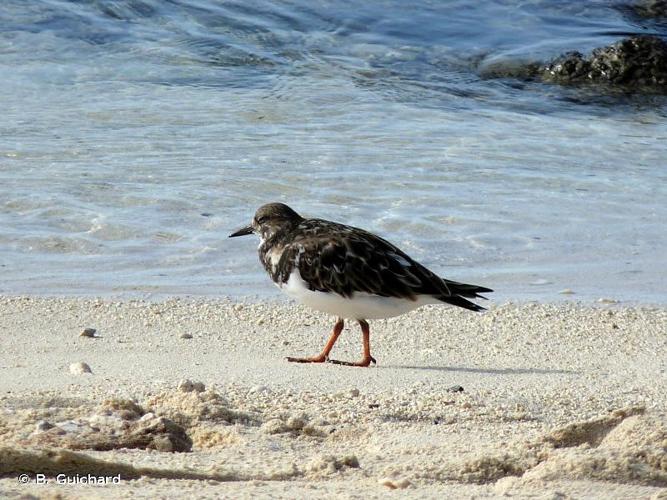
x=553 y=401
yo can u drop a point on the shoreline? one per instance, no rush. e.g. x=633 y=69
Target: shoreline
x=272 y=297
x=548 y=390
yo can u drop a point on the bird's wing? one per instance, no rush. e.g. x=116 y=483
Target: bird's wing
x=343 y=259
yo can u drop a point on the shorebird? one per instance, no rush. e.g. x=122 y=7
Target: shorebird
x=347 y=272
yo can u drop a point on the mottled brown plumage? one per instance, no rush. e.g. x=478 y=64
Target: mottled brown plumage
x=347 y=263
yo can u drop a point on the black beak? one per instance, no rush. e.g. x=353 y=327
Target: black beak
x=242 y=232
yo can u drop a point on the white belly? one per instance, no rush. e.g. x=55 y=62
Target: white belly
x=360 y=306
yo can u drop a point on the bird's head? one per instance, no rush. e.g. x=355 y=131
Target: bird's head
x=269 y=220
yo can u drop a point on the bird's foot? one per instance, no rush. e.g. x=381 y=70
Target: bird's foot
x=364 y=362
x=314 y=359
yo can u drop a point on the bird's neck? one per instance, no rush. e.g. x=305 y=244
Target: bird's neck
x=270 y=251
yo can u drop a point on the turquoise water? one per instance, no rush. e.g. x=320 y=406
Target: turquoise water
x=136 y=135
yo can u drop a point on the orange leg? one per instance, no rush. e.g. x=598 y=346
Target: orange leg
x=324 y=355
x=367 y=359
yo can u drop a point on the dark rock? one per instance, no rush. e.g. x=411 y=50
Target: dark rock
x=650 y=9
x=88 y=332
x=521 y=70
x=43 y=425
x=455 y=388
x=569 y=66
x=638 y=61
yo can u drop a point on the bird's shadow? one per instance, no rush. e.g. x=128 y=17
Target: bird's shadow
x=490 y=371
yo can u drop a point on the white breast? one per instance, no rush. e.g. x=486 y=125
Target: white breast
x=360 y=306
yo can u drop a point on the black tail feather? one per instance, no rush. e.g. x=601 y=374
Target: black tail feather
x=460 y=291
x=459 y=301
x=464 y=289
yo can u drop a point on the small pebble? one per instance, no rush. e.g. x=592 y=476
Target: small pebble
x=394 y=484
x=566 y=291
x=259 y=389
x=69 y=426
x=455 y=388
x=340 y=395
x=605 y=300
x=186 y=336
x=43 y=425
x=88 y=332
x=190 y=386
x=79 y=368
x=402 y=483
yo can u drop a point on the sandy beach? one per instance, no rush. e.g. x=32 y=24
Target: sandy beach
x=194 y=397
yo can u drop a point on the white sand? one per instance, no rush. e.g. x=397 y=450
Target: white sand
x=559 y=402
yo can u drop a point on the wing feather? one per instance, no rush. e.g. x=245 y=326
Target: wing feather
x=332 y=257
x=345 y=260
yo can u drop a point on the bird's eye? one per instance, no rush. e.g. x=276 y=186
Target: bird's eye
x=261 y=220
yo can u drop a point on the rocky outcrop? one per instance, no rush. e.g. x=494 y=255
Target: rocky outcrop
x=638 y=61
x=650 y=9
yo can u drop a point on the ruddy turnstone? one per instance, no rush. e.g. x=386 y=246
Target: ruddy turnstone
x=347 y=272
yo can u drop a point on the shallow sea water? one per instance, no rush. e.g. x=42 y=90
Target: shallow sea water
x=136 y=135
